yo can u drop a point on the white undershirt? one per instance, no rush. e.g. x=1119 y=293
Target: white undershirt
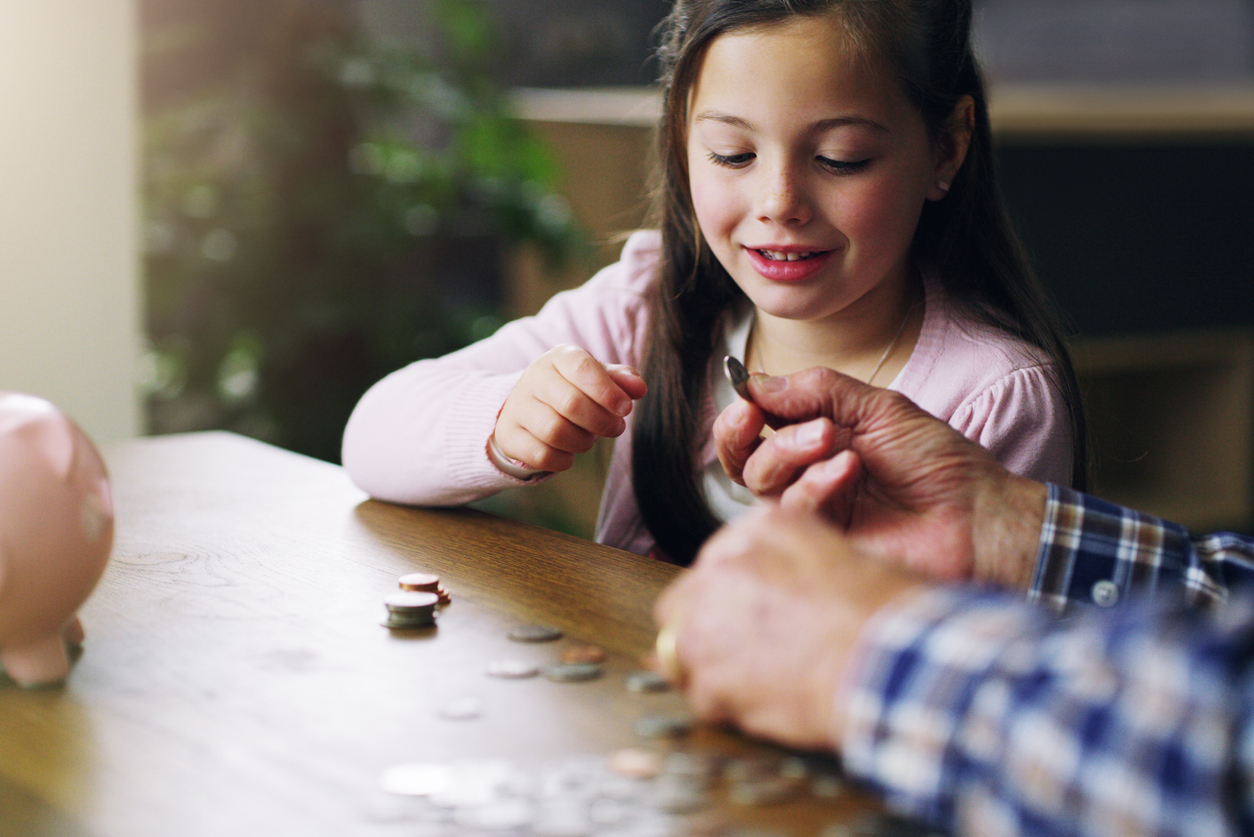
x=727 y=499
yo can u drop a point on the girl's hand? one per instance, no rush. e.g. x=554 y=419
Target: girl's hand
x=563 y=402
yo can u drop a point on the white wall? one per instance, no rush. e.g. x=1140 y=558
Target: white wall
x=69 y=289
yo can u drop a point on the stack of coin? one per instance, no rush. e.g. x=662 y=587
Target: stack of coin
x=408 y=609
x=425 y=583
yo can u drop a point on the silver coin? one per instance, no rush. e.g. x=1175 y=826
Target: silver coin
x=410 y=600
x=794 y=767
x=416 y=779
x=763 y=792
x=751 y=768
x=396 y=622
x=535 y=633
x=573 y=672
x=498 y=815
x=699 y=768
x=561 y=823
x=462 y=709
x=663 y=726
x=827 y=786
x=512 y=669
x=677 y=796
x=647 y=681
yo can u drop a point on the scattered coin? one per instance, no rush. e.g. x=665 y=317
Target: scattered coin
x=663 y=726
x=635 y=763
x=424 y=582
x=462 y=709
x=416 y=779
x=699 y=768
x=561 y=824
x=827 y=786
x=498 y=815
x=794 y=767
x=751 y=768
x=573 y=672
x=610 y=812
x=769 y=791
x=645 y=680
x=512 y=669
x=535 y=633
x=676 y=795
x=582 y=654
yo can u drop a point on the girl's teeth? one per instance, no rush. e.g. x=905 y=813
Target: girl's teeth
x=776 y=256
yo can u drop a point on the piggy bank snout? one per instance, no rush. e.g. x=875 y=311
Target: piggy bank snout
x=56 y=531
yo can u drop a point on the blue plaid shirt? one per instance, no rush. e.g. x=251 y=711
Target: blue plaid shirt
x=983 y=714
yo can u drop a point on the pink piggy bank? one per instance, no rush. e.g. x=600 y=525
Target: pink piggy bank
x=56 y=530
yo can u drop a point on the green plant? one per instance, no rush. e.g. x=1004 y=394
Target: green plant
x=323 y=212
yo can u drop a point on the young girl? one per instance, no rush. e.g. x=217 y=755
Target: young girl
x=827 y=198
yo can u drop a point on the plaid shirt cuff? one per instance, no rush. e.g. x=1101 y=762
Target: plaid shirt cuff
x=977 y=712
x=1095 y=552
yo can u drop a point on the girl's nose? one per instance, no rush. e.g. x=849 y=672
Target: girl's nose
x=783 y=199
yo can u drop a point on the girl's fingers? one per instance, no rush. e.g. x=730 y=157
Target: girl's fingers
x=553 y=429
x=628 y=379
x=521 y=445
x=592 y=378
x=564 y=401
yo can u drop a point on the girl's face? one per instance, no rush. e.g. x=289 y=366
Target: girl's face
x=809 y=169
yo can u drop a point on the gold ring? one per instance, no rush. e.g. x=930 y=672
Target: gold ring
x=667 y=657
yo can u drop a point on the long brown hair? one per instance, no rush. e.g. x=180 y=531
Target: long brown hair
x=966 y=239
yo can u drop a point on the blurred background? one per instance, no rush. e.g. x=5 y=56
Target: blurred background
x=238 y=214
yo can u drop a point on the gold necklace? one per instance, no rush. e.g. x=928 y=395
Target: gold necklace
x=878 y=366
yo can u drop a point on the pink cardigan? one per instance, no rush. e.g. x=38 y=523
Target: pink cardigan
x=419 y=435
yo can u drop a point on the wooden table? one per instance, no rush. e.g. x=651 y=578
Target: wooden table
x=236 y=679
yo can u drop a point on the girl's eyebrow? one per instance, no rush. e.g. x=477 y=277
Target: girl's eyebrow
x=818 y=127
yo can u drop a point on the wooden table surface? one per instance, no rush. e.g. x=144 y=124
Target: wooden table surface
x=236 y=679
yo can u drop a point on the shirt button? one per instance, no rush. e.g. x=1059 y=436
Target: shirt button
x=1105 y=593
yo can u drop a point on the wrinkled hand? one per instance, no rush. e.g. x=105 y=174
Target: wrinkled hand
x=903 y=485
x=563 y=402
x=767 y=619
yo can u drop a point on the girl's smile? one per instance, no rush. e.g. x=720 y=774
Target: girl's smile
x=809 y=169
x=788 y=264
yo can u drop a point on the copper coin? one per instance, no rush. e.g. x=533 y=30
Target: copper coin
x=582 y=654
x=635 y=763
x=425 y=582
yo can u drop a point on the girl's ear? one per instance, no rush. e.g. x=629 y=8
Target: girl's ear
x=951 y=151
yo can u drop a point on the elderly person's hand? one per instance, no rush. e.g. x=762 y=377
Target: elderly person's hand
x=766 y=620
x=903 y=485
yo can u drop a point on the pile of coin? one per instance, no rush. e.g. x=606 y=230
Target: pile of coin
x=414 y=605
x=425 y=583
x=630 y=792
x=408 y=609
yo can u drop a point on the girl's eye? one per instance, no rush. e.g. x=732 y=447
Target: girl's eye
x=843 y=166
x=731 y=161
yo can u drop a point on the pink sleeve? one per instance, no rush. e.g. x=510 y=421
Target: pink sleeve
x=419 y=435
x=1023 y=420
